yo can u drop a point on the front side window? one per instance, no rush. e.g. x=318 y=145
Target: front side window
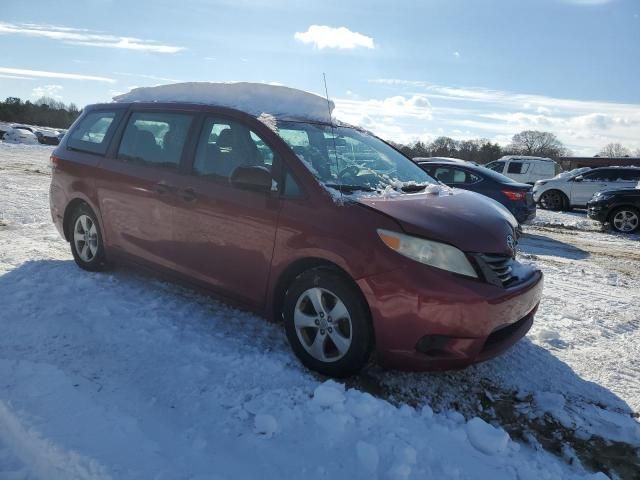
x=347 y=158
x=598 y=176
x=154 y=138
x=225 y=145
x=92 y=132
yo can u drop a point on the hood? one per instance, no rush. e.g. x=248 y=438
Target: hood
x=469 y=221
x=630 y=192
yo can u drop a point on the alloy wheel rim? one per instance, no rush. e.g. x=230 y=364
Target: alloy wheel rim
x=323 y=324
x=625 y=221
x=85 y=238
x=551 y=200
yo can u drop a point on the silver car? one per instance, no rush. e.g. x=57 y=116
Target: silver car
x=575 y=188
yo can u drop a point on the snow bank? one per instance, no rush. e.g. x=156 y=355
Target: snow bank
x=253 y=98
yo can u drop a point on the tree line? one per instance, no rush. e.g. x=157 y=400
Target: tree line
x=45 y=112
x=528 y=142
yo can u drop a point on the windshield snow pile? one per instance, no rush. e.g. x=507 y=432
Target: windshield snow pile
x=253 y=98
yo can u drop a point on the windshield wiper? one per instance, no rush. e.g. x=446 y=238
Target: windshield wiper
x=412 y=188
x=349 y=188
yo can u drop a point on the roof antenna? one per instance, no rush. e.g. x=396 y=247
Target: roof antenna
x=333 y=133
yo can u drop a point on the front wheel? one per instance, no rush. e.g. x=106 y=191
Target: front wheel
x=86 y=240
x=625 y=220
x=327 y=323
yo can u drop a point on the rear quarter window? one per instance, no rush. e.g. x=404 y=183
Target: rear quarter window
x=93 y=132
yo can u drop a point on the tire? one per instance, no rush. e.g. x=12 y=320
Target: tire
x=625 y=220
x=86 y=240
x=554 y=200
x=336 y=347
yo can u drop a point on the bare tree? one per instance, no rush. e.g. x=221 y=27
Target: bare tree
x=614 y=150
x=444 y=147
x=540 y=144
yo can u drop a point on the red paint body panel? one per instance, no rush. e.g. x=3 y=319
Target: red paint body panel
x=240 y=243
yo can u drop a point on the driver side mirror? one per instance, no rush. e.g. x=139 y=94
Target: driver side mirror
x=254 y=178
x=579 y=178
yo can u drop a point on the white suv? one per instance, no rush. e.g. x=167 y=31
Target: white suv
x=575 y=188
x=525 y=169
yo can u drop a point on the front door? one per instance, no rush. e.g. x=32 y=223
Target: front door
x=592 y=182
x=227 y=234
x=138 y=184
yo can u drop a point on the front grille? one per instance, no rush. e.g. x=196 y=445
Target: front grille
x=497 y=269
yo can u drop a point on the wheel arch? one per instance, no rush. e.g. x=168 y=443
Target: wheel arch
x=68 y=213
x=297 y=267
x=566 y=198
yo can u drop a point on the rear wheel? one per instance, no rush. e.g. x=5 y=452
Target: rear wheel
x=554 y=200
x=625 y=220
x=327 y=323
x=86 y=240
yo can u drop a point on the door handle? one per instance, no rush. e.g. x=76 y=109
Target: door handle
x=188 y=195
x=162 y=188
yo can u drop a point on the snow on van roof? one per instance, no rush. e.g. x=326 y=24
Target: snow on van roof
x=253 y=98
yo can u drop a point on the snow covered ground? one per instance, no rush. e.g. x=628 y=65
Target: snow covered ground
x=125 y=376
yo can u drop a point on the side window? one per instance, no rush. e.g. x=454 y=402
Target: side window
x=225 y=145
x=496 y=166
x=154 y=138
x=291 y=188
x=445 y=174
x=518 y=167
x=631 y=175
x=299 y=142
x=598 y=176
x=93 y=132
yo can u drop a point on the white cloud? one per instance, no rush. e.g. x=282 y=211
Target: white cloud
x=456 y=54
x=16 y=77
x=583 y=125
x=77 y=36
x=45 y=74
x=589 y=2
x=51 y=91
x=322 y=36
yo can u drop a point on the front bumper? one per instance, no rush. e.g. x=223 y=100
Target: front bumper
x=598 y=211
x=477 y=320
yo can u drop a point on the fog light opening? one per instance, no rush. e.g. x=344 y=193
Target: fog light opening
x=433 y=345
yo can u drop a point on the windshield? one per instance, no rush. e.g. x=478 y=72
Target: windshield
x=349 y=159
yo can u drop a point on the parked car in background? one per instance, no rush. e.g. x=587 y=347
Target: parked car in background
x=20 y=134
x=442 y=159
x=525 y=169
x=619 y=208
x=325 y=227
x=515 y=196
x=575 y=189
x=48 y=137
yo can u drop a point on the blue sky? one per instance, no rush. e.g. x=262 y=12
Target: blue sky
x=406 y=70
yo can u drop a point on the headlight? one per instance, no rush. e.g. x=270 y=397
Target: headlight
x=436 y=254
x=602 y=196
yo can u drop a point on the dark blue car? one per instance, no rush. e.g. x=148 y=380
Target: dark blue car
x=517 y=197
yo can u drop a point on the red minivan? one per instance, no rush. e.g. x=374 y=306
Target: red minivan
x=323 y=226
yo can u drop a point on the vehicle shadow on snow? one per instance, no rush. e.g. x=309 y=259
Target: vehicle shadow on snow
x=533 y=244
x=528 y=391
x=534 y=396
